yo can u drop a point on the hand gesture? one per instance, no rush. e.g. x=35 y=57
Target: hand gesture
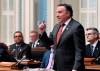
x=42 y=27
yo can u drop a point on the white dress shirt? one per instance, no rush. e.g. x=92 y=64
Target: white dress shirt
x=94 y=45
x=51 y=60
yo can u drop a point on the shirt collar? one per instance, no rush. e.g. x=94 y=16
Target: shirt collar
x=19 y=44
x=66 y=23
x=36 y=41
x=94 y=45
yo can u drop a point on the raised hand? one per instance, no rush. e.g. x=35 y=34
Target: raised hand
x=42 y=27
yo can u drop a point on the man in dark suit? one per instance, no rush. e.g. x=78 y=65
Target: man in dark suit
x=20 y=49
x=4 y=55
x=35 y=43
x=92 y=49
x=69 y=49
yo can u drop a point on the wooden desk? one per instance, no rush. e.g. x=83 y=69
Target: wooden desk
x=90 y=64
x=31 y=69
x=92 y=67
x=39 y=49
x=6 y=66
x=37 y=53
x=28 y=62
x=10 y=66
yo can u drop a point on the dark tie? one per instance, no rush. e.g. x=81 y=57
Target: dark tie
x=59 y=33
x=17 y=51
x=91 y=50
x=33 y=45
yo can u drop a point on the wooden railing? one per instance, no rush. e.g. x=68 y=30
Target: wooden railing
x=89 y=61
x=39 y=49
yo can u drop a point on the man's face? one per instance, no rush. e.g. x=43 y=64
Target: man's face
x=91 y=36
x=61 y=14
x=33 y=37
x=18 y=38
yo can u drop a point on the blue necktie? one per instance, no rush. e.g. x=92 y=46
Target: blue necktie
x=91 y=50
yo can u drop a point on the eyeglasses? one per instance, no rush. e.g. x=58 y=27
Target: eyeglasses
x=17 y=36
x=90 y=34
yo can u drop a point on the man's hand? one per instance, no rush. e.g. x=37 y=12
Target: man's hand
x=42 y=27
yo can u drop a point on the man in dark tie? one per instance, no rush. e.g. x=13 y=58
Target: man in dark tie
x=35 y=43
x=68 y=40
x=92 y=49
x=20 y=49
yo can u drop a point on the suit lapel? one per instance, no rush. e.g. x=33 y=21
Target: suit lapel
x=67 y=28
x=96 y=51
x=30 y=44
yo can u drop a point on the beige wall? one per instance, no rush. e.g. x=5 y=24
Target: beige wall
x=30 y=14
x=0 y=19
x=98 y=15
x=51 y=11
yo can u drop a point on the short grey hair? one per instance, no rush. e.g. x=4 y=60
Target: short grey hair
x=95 y=30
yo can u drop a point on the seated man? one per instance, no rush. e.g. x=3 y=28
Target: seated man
x=4 y=55
x=35 y=42
x=48 y=59
x=20 y=49
x=92 y=49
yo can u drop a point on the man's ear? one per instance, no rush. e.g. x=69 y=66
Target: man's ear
x=96 y=36
x=68 y=13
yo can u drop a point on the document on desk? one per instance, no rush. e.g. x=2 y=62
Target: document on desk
x=40 y=69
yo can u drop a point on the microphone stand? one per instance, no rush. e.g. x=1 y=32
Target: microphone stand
x=18 y=65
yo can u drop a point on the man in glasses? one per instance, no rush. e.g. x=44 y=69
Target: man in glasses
x=35 y=42
x=93 y=48
x=20 y=49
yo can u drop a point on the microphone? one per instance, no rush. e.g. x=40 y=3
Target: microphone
x=24 y=57
x=98 y=58
x=12 y=51
x=97 y=61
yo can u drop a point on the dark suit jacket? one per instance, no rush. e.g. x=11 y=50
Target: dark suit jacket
x=38 y=55
x=5 y=56
x=69 y=52
x=24 y=49
x=45 y=59
x=39 y=44
x=96 y=51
